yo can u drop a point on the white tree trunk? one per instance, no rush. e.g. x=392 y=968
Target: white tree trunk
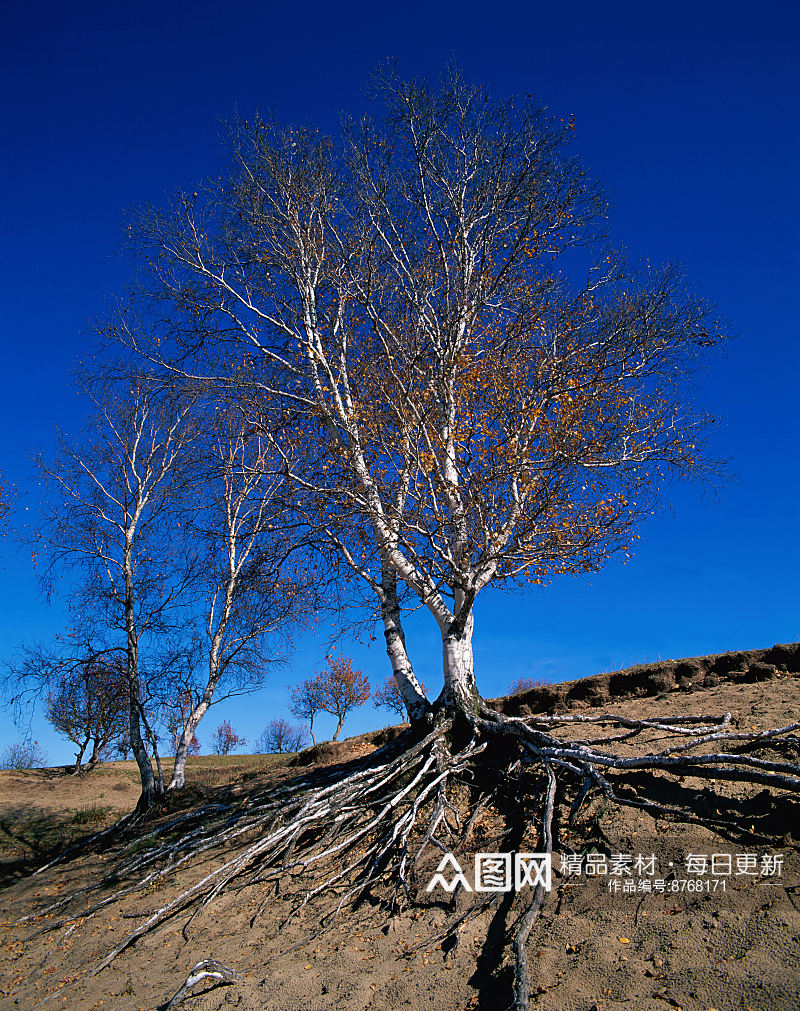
x=178 y=780
x=460 y=691
x=412 y=694
x=215 y=670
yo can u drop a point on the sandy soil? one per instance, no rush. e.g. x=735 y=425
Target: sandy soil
x=729 y=940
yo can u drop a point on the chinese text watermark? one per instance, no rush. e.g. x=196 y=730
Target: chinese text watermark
x=627 y=873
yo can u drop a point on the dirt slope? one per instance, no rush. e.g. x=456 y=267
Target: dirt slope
x=725 y=938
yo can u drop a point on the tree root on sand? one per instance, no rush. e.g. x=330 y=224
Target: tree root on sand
x=373 y=828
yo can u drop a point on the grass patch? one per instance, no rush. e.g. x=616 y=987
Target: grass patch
x=31 y=835
x=92 y=814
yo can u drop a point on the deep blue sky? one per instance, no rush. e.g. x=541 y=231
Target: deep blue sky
x=687 y=113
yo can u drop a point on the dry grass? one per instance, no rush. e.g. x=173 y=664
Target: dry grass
x=44 y=811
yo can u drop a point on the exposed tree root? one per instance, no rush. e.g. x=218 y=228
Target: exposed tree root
x=522 y=981
x=207 y=969
x=374 y=828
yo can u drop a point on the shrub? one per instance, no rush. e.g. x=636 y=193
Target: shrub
x=24 y=755
x=524 y=685
x=280 y=737
x=93 y=814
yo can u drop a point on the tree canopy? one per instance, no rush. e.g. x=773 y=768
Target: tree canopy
x=486 y=391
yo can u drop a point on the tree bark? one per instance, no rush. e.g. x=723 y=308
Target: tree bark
x=160 y=782
x=417 y=706
x=148 y=794
x=94 y=758
x=76 y=770
x=460 y=692
x=178 y=780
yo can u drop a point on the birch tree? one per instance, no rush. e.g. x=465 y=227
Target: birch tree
x=83 y=685
x=341 y=689
x=87 y=703
x=484 y=395
x=485 y=417
x=279 y=737
x=306 y=702
x=112 y=528
x=255 y=583
x=225 y=739
x=180 y=711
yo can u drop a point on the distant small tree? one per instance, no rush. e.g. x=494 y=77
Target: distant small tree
x=306 y=702
x=388 y=696
x=122 y=747
x=525 y=685
x=23 y=755
x=341 y=689
x=225 y=739
x=88 y=704
x=194 y=746
x=279 y=737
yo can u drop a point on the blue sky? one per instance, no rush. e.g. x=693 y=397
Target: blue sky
x=687 y=113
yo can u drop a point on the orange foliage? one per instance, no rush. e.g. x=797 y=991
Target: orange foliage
x=473 y=406
x=336 y=690
x=225 y=739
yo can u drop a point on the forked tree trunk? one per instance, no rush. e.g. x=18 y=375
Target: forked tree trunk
x=148 y=795
x=417 y=706
x=76 y=769
x=178 y=780
x=94 y=758
x=460 y=692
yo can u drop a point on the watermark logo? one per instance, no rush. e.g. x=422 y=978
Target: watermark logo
x=700 y=872
x=627 y=873
x=496 y=872
x=457 y=879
